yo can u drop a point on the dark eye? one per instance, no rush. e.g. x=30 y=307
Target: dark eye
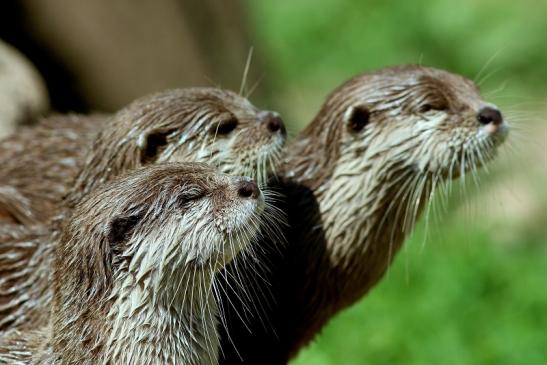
x=358 y=119
x=424 y=108
x=155 y=144
x=189 y=196
x=224 y=127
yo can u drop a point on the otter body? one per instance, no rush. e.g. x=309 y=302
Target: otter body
x=40 y=163
x=133 y=270
x=356 y=180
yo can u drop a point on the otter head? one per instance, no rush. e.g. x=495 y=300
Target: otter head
x=208 y=125
x=162 y=219
x=411 y=117
x=137 y=258
x=387 y=138
x=422 y=118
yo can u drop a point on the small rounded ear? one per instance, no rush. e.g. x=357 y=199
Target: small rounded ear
x=357 y=118
x=120 y=228
x=152 y=144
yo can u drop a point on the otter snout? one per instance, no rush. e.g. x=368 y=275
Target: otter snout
x=273 y=122
x=248 y=189
x=492 y=121
x=489 y=115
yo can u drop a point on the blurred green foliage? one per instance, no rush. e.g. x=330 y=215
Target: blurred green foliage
x=460 y=299
x=464 y=297
x=311 y=46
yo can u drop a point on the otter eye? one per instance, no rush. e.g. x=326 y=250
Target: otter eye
x=224 y=127
x=358 y=118
x=424 y=108
x=121 y=228
x=190 y=195
x=154 y=145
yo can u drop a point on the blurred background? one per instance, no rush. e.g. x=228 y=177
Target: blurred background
x=470 y=286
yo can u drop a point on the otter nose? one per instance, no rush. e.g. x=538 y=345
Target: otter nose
x=489 y=115
x=248 y=189
x=274 y=122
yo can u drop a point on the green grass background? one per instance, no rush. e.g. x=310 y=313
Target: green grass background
x=471 y=288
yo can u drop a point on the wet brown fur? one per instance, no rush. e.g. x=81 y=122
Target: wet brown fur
x=76 y=153
x=39 y=164
x=116 y=279
x=72 y=155
x=353 y=197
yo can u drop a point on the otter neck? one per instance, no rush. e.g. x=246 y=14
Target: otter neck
x=310 y=160
x=365 y=212
x=178 y=327
x=131 y=323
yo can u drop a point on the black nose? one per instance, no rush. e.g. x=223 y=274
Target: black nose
x=248 y=189
x=489 y=115
x=274 y=122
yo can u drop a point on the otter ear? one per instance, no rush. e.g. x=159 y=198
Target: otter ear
x=152 y=144
x=120 y=228
x=357 y=118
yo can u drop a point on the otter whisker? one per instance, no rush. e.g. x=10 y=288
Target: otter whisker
x=208 y=313
x=473 y=164
x=493 y=93
x=239 y=290
x=486 y=65
x=257 y=298
x=395 y=201
x=246 y=71
x=435 y=181
x=401 y=212
x=225 y=274
x=410 y=201
x=254 y=86
x=237 y=276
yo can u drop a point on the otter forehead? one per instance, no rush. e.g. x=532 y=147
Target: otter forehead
x=184 y=105
x=195 y=113
x=228 y=97
x=152 y=185
x=407 y=83
x=215 y=97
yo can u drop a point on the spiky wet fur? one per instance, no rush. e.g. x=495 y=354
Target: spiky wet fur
x=141 y=292
x=354 y=196
x=72 y=155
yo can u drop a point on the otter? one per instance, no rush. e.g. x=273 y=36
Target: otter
x=356 y=180
x=133 y=270
x=73 y=154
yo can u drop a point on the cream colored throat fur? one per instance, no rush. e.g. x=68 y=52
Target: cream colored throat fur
x=168 y=331
x=354 y=213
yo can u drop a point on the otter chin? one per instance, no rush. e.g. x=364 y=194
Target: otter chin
x=71 y=155
x=133 y=269
x=356 y=180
